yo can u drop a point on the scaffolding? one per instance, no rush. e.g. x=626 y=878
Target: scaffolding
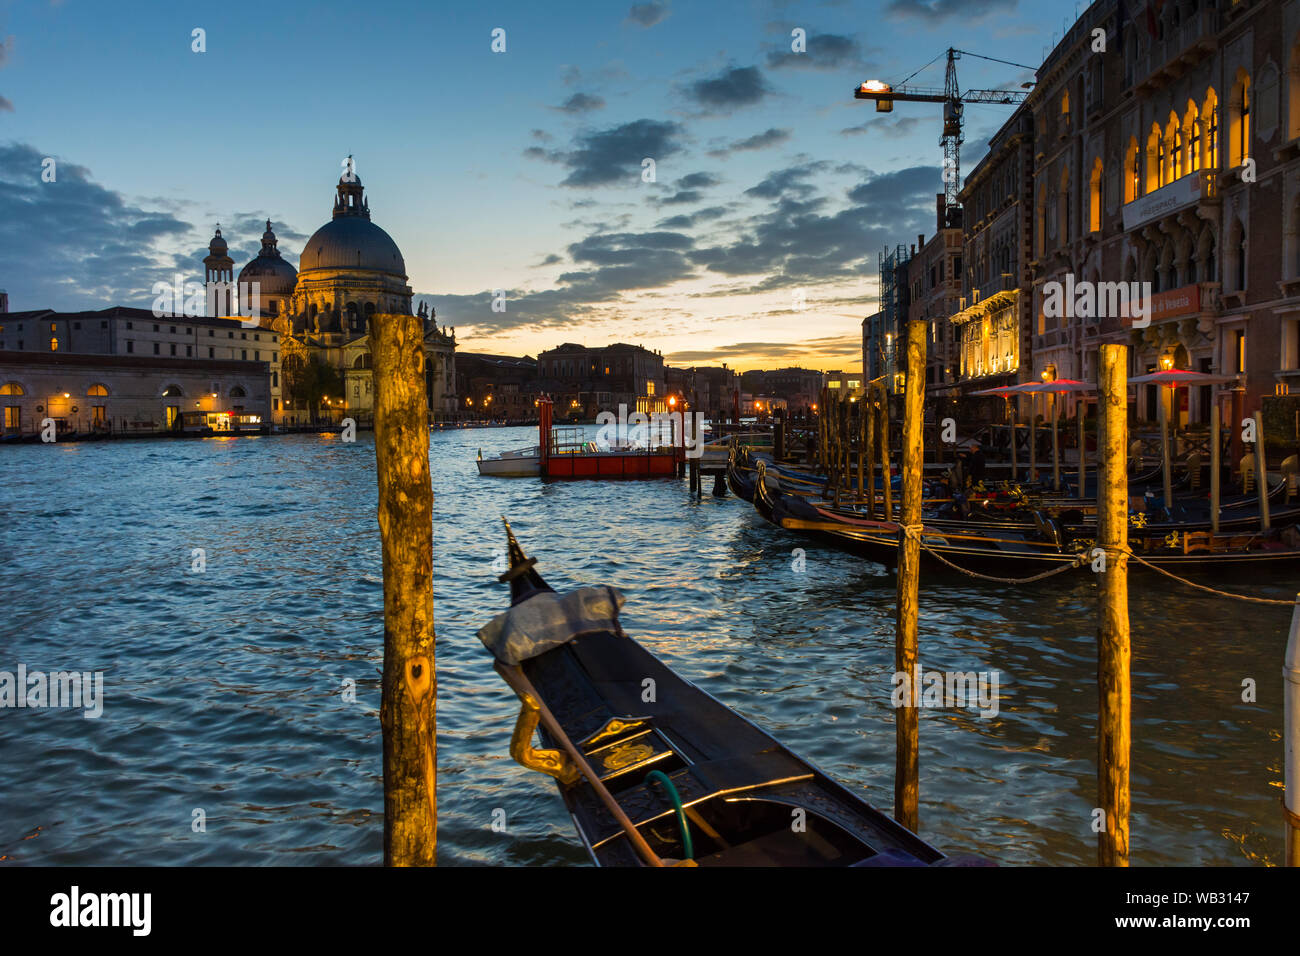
x=892 y=315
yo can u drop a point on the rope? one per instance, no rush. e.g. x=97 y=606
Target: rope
x=1208 y=590
x=914 y=532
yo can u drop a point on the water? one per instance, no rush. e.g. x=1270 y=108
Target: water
x=224 y=690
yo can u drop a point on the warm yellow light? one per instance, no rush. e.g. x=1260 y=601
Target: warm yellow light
x=1166 y=362
x=672 y=400
x=67 y=395
x=814 y=406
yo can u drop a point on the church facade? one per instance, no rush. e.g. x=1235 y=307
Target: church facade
x=349 y=271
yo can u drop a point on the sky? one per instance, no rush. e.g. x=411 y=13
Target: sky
x=754 y=243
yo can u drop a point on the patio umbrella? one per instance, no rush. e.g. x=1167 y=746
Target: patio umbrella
x=1175 y=378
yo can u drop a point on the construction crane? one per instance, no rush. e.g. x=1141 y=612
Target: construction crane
x=953 y=100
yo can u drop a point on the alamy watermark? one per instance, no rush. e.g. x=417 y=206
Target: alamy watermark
x=39 y=690
x=184 y=299
x=638 y=426
x=1098 y=300
x=969 y=690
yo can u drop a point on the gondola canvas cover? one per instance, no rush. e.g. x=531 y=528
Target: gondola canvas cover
x=548 y=620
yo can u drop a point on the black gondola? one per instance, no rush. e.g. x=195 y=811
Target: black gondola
x=653 y=770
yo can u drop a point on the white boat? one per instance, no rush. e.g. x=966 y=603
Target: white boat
x=521 y=463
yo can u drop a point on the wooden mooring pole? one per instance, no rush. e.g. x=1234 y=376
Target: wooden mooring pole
x=1216 y=466
x=907 y=778
x=1291 y=741
x=1261 y=472
x=1114 y=652
x=408 y=712
x=887 y=490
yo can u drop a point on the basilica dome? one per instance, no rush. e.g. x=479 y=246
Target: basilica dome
x=275 y=276
x=350 y=240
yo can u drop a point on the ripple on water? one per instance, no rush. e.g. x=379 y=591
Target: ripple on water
x=224 y=691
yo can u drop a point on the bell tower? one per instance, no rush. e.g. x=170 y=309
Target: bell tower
x=351 y=200
x=219 y=267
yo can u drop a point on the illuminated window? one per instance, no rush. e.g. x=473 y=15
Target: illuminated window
x=97 y=390
x=1094 y=197
x=54 y=344
x=1132 y=172
x=11 y=388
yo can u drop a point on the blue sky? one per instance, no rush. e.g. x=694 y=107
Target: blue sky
x=519 y=171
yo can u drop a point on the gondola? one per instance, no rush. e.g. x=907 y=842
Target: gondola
x=653 y=770
x=1020 y=548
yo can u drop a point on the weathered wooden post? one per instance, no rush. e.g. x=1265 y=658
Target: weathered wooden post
x=863 y=406
x=1261 y=472
x=408 y=713
x=1033 y=436
x=1113 y=649
x=1011 y=409
x=887 y=485
x=1216 y=452
x=1291 y=741
x=1083 y=449
x=869 y=432
x=1164 y=449
x=907 y=781
x=1056 y=447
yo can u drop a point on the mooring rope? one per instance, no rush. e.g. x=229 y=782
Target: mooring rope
x=914 y=532
x=1208 y=590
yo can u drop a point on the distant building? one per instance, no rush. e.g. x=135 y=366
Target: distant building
x=592 y=380
x=169 y=343
x=128 y=393
x=935 y=274
x=496 y=387
x=800 y=388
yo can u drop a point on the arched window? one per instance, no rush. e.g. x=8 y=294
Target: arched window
x=1155 y=159
x=1210 y=117
x=1239 y=121
x=1293 y=92
x=11 y=388
x=1132 y=172
x=54 y=343
x=173 y=391
x=97 y=391
x=1065 y=110
x=1194 y=145
x=237 y=392
x=1094 y=197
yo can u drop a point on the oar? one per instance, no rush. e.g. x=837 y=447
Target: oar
x=513 y=675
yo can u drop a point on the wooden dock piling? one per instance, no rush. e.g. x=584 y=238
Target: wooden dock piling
x=1216 y=466
x=1114 y=652
x=907 y=782
x=1261 y=472
x=887 y=491
x=408 y=712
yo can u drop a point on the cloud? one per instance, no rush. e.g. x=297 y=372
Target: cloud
x=6 y=49
x=602 y=157
x=799 y=241
x=75 y=244
x=582 y=103
x=769 y=137
x=6 y=105
x=688 y=188
x=687 y=220
x=900 y=127
x=738 y=86
x=647 y=14
x=824 y=51
x=846 y=346
x=936 y=11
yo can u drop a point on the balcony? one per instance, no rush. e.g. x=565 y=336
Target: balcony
x=1201 y=186
x=1183 y=47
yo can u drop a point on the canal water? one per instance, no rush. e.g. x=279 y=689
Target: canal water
x=228 y=735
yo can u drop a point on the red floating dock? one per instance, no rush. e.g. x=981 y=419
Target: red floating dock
x=581 y=460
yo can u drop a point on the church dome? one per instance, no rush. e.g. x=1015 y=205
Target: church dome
x=350 y=240
x=274 y=275
x=352 y=243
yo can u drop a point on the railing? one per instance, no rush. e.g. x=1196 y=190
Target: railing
x=1199 y=26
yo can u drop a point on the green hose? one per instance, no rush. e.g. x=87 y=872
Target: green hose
x=660 y=777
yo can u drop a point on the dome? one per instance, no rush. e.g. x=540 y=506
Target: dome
x=217 y=246
x=274 y=276
x=352 y=242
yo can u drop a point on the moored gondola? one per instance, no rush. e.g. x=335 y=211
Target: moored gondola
x=653 y=770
